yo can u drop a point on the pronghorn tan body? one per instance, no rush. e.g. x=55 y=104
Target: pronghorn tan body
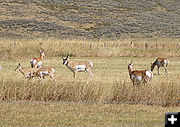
x=139 y=76
x=46 y=71
x=27 y=72
x=78 y=66
x=160 y=62
x=37 y=62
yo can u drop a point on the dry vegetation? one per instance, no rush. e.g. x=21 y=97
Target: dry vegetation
x=102 y=48
x=108 y=33
x=111 y=84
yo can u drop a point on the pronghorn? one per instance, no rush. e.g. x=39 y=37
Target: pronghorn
x=27 y=72
x=77 y=66
x=45 y=71
x=138 y=76
x=160 y=62
x=37 y=62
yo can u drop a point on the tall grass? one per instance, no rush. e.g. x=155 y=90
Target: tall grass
x=111 y=83
x=164 y=94
x=14 y=49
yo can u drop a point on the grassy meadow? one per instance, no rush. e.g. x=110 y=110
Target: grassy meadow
x=108 y=98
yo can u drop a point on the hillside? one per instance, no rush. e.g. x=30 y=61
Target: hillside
x=90 y=19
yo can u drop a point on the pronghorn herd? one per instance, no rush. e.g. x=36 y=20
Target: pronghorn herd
x=145 y=76
x=136 y=76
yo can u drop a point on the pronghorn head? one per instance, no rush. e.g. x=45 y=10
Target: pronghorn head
x=19 y=67
x=42 y=53
x=130 y=66
x=65 y=59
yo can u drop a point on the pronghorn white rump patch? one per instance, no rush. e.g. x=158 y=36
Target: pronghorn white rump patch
x=149 y=74
x=34 y=61
x=80 y=67
x=166 y=62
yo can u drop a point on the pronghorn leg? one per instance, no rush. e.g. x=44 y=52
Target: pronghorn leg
x=90 y=73
x=52 y=76
x=40 y=79
x=29 y=79
x=74 y=74
x=165 y=67
x=158 y=70
x=133 y=84
x=44 y=78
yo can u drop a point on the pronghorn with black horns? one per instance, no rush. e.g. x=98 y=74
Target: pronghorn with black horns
x=37 y=62
x=139 y=76
x=160 y=62
x=77 y=66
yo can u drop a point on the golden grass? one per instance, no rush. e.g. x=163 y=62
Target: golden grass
x=78 y=114
x=86 y=101
x=110 y=84
x=14 y=49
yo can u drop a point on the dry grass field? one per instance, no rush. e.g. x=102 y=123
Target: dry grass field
x=109 y=33
x=108 y=99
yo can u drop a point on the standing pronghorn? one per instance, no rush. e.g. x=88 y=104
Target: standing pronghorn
x=78 y=66
x=27 y=72
x=37 y=62
x=138 y=76
x=160 y=62
x=45 y=71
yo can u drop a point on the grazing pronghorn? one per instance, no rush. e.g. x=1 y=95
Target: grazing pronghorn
x=45 y=71
x=27 y=72
x=139 y=76
x=160 y=62
x=37 y=62
x=78 y=66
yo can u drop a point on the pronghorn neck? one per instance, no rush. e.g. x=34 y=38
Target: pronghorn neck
x=68 y=65
x=41 y=56
x=22 y=71
x=153 y=65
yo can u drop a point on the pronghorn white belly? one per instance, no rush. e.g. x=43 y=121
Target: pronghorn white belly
x=39 y=63
x=80 y=67
x=137 y=78
x=166 y=62
x=44 y=73
x=159 y=64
